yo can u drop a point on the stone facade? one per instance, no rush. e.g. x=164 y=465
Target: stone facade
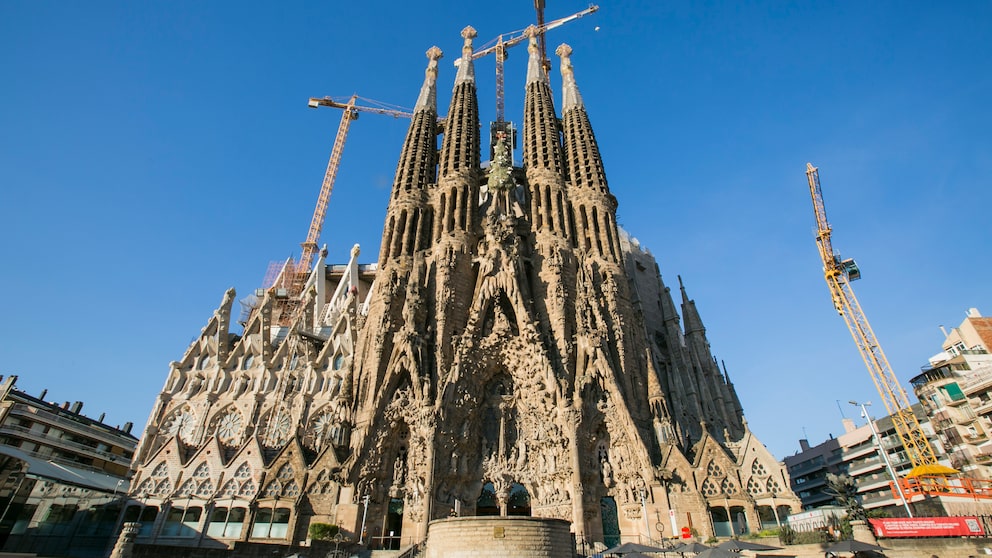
x=512 y=352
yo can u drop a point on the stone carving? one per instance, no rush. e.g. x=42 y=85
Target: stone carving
x=509 y=334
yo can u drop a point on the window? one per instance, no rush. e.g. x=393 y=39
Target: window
x=182 y=522
x=226 y=524
x=271 y=524
x=953 y=391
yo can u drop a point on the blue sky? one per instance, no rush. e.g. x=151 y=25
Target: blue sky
x=153 y=154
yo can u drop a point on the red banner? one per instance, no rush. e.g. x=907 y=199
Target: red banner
x=927 y=527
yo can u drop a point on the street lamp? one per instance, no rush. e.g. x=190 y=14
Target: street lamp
x=361 y=534
x=885 y=455
x=644 y=511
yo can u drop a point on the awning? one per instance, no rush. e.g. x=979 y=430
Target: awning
x=66 y=474
x=934 y=469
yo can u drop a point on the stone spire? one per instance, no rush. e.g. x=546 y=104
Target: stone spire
x=460 y=148
x=594 y=205
x=466 y=67
x=550 y=210
x=535 y=69
x=542 y=149
x=428 y=92
x=569 y=90
x=455 y=205
x=408 y=221
x=693 y=322
x=720 y=403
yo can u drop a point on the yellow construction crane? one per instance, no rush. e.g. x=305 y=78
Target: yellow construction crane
x=839 y=274
x=351 y=110
x=927 y=475
x=294 y=276
x=539 y=8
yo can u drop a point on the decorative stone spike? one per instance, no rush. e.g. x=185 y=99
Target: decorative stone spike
x=569 y=91
x=535 y=70
x=428 y=92
x=466 y=68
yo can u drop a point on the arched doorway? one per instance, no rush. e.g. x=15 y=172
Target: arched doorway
x=394 y=524
x=487 y=504
x=519 y=501
x=611 y=523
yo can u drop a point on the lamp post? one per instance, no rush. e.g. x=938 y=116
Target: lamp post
x=644 y=512
x=361 y=534
x=885 y=455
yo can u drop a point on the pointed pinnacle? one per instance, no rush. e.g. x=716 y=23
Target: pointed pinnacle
x=428 y=92
x=466 y=68
x=535 y=70
x=569 y=90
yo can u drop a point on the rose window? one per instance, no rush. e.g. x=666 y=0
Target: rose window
x=182 y=424
x=229 y=428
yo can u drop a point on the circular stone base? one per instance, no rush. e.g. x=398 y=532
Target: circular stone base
x=499 y=537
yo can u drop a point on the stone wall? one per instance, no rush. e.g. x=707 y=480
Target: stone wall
x=502 y=537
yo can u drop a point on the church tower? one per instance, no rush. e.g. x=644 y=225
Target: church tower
x=511 y=352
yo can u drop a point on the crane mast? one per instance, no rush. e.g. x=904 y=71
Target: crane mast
x=320 y=211
x=839 y=274
x=293 y=277
x=541 y=45
x=350 y=113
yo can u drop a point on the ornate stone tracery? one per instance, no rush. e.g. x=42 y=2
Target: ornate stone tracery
x=512 y=351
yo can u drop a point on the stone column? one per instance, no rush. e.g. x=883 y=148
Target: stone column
x=125 y=541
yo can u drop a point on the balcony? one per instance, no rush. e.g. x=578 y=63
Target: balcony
x=982 y=407
x=976 y=437
x=806 y=467
x=977 y=383
x=68 y=446
x=866 y=466
x=35 y=414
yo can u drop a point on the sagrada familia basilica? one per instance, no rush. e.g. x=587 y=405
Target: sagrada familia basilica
x=512 y=352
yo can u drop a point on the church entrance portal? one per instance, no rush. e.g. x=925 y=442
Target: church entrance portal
x=394 y=524
x=611 y=525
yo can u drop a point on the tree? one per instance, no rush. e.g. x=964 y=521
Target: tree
x=845 y=492
x=322 y=531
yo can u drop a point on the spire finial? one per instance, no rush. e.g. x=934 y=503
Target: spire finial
x=570 y=91
x=466 y=69
x=428 y=92
x=535 y=70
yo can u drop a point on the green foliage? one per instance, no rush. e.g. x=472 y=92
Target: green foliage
x=845 y=493
x=787 y=535
x=809 y=537
x=711 y=540
x=322 y=531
